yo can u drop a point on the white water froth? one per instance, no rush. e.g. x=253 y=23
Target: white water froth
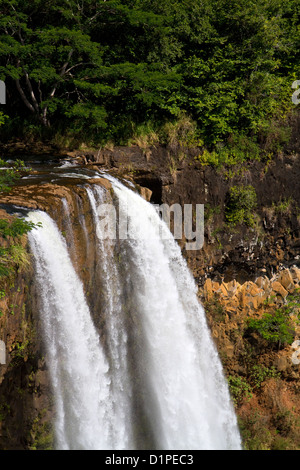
x=78 y=367
x=116 y=332
x=191 y=406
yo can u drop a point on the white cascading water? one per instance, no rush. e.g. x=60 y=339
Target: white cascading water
x=77 y=364
x=190 y=401
x=116 y=330
x=184 y=395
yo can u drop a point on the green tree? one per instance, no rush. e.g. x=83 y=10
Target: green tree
x=48 y=61
x=109 y=66
x=13 y=253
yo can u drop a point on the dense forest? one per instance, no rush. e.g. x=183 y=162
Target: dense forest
x=214 y=73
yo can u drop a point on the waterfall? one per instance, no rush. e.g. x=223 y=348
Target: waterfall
x=77 y=364
x=157 y=382
x=188 y=402
x=111 y=307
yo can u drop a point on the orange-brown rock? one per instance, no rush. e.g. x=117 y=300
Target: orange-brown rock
x=146 y=193
x=102 y=181
x=252 y=295
x=286 y=280
x=295 y=273
x=278 y=289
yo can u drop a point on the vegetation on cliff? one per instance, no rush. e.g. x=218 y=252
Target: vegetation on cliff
x=12 y=252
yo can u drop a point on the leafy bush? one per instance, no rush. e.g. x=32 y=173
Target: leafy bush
x=239 y=389
x=275 y=327
x=241 y=203
x=14 y=255
x=16 y=228
x=260 y=373
x=2 y=118
x=10 y=173
x=181 y=132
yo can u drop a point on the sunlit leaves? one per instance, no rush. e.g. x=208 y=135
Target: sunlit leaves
x=228 y=65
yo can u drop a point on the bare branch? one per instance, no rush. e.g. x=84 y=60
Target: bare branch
x=23 y=96
x=62 y=73
x=40 y=91
x=77 y=65
x=29 y=86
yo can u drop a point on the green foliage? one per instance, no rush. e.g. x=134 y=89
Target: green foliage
x=16 y=228
x=144 y=135
x=19 y=256
x=255 y=434
x=239 y=389
x=282 y=206
x=10 y=173
x=237 y=149
x=292 y=306
x=2 y=118
x=14 y=255
x=210 y=212
x=274 y=327
x=180 y=133
x=42 y=433
x=260 y=373
x=258 y=433
x=98 y=70
x=5 y=265
x=240 y=206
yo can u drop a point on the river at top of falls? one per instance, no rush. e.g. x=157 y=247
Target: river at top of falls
x=158 y=383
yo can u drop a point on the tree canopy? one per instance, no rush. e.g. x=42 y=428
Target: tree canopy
x=101 y=68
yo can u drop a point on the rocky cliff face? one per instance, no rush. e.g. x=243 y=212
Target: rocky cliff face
x=242 y=272
x=263 y=371
x=242 y=253
x=24 y=387
x=26 y=401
